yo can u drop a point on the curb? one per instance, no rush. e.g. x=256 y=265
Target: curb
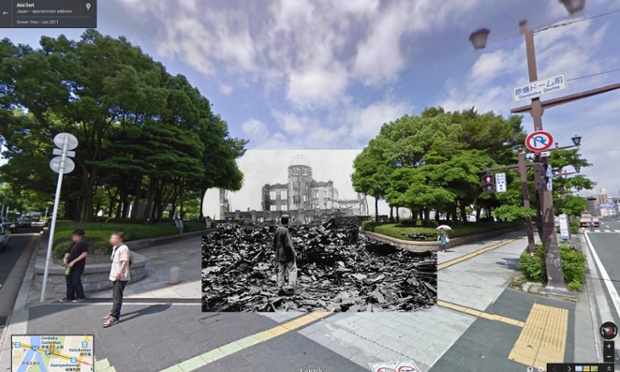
x=17 y=322
x=20 y=311
x=416 y=246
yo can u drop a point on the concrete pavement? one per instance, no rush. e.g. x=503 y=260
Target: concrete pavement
x=476 y=326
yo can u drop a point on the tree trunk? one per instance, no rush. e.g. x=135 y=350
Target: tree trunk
x=391 y=214
x=136 y=202
x=87 y=215
x=181 y=200
x=397 y=215
x=148 y=210
x=463 y=208
x=427 y=217
x=478 y=214
x=376 y=209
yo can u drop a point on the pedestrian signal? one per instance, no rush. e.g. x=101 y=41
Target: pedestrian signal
x=488 y=183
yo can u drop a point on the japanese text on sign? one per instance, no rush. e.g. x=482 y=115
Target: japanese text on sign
x=538 y=88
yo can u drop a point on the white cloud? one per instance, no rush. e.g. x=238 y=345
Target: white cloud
x=315 y=49
x=226 y=89
x=324 y=87
x=570 y=50
x=366 y=122
x=255 y=129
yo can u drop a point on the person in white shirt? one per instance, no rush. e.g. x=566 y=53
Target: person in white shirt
x=119 y=275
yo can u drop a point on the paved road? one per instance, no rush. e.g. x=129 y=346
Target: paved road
x=10 y=254
x=606 y=243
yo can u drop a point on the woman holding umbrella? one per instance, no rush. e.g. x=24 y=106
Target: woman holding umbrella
x=442 y=237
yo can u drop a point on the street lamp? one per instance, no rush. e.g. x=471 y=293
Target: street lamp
x=577 y=168
x=574 y=6
x=479 y=38
x=576 y=140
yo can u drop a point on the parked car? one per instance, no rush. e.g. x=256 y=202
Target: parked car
x=9 y=224
x=24 y=221
x=5 y=235
x=36 y=218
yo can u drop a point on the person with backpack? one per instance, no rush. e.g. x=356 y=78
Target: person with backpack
x=119 y=275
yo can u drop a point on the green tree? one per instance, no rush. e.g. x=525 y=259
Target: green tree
x=144 y=134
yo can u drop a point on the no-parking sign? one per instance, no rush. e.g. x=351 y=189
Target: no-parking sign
x=539 y=141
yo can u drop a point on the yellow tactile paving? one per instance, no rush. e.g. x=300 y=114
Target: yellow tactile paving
x=442 y=266
x=480 y=314
x=543 y=338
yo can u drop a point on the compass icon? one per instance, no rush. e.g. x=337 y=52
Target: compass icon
x=609 y=330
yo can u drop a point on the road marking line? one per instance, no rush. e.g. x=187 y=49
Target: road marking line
x=480 y=314
x=613 y=293
x=618 y=231
x=597 y=230
x=103 y=365
x=607 y=230
x=473 y=254
x=202 y=360
x=543 y=338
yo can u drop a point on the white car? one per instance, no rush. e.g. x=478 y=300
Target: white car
x=5 y=235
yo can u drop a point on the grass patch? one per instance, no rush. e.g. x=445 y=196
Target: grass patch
x=396 y=230
x=534 y=268
x=98 y=235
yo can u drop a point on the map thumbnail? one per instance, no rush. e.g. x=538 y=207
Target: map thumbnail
x=53 y=353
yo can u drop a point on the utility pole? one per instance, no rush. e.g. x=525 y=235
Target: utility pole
x=531 y=243
x=555 y=275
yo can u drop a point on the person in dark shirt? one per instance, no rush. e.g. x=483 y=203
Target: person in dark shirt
x=75 y=261
x=285 y=255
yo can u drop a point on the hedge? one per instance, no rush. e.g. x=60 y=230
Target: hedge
x=396 y=230
x=574 y=267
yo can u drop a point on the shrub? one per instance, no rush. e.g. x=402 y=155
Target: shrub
x=573 y=265
x=98 y=234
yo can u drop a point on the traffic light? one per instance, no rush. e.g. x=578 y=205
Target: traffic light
x=488 y=183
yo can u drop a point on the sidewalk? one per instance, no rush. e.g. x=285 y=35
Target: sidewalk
x=475 y=327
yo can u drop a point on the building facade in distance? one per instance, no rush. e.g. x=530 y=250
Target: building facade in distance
x=303 y=193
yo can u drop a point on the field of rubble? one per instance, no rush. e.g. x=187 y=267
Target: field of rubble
x=339 y=270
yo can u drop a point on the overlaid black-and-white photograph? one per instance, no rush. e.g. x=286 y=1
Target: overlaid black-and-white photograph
x=290 y=240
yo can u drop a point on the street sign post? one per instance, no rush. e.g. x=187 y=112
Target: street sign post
x=61 y=165
x=538 y=88
x=539 y=141
x=564 y=228
x=500 y=182
x=549 y=178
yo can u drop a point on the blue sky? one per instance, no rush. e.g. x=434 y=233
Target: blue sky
x=324 y=74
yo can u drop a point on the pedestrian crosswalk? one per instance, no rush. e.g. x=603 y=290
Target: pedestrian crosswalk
x=605 y=231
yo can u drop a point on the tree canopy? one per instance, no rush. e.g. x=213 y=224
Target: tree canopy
x=435 y=162
x=144 y=134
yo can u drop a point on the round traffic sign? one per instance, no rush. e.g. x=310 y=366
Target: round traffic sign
x=539 y=141
x=72 y=142
x=55 y=165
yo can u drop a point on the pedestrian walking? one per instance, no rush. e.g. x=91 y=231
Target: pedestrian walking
x=119 y=275
x=75 y=262
x=443 y=239
x=285 y=257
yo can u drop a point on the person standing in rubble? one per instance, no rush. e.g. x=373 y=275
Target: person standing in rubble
x=285 y=256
